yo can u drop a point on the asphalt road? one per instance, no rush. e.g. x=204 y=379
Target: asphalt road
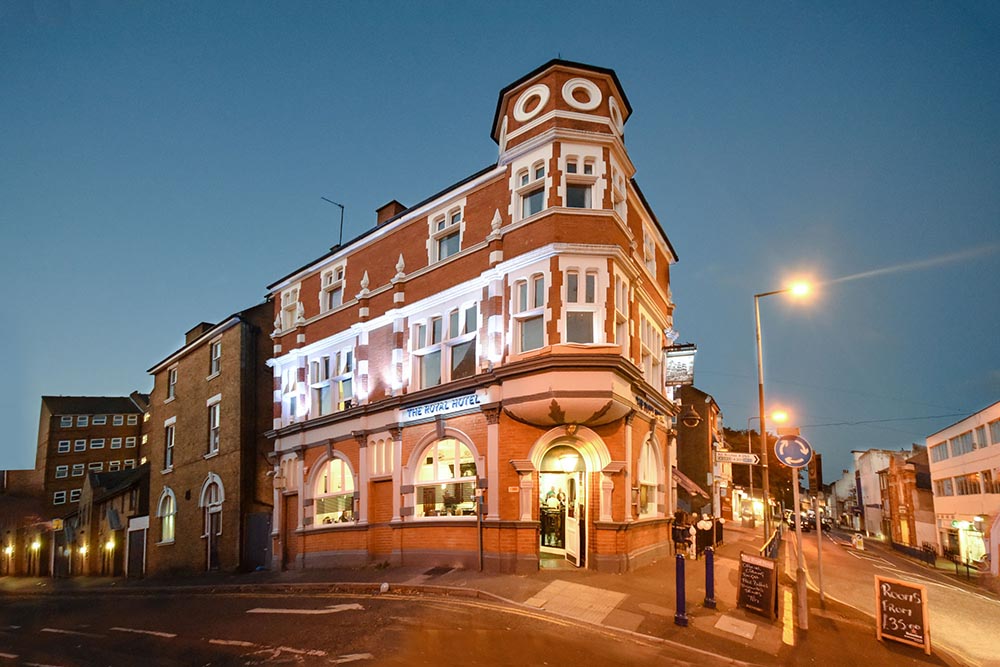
x=963 y=619
x=222 y=629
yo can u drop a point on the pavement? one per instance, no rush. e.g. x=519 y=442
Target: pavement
x=641 y=604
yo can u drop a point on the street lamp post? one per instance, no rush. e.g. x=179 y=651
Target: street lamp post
x=797 y=289
x=779 y=416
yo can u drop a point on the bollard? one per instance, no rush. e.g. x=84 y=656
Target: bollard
x=710 y=578
x=680 y=618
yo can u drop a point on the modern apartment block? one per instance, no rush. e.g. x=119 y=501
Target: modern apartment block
x=209 y=497
x=965 y=474
x=480 y=378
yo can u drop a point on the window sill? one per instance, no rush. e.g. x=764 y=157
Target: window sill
x=213 y=376
x=164 y=543
x=169 y=400
x=167 y=471
x=211 y=455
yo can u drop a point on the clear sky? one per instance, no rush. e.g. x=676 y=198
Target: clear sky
x=162 y=162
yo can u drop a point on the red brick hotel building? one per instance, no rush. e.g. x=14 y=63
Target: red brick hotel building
x=479 y=380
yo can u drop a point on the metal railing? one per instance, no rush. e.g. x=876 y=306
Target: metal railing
x=770 y=548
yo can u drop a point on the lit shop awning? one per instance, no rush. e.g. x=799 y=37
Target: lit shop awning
x=688 y=484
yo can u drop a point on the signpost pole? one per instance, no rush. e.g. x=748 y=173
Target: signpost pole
x=800 y=571
x=819 y=545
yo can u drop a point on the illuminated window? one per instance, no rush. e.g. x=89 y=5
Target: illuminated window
x=529 y=313
x=445 y=483
x=215 y=357
x=166 y=510
x=444 y=347
x=333 y=494
x=649 y=479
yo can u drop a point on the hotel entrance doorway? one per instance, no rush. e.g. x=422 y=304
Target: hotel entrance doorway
x=563 y=504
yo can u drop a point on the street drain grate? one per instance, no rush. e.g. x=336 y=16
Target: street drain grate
x=438 y=571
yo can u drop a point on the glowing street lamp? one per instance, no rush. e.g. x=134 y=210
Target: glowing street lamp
x=797 y=289
x=780 y=416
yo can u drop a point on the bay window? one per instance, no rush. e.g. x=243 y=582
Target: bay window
x=529 y=313
x=531 y=189
x=581 y=308
x=445 y=349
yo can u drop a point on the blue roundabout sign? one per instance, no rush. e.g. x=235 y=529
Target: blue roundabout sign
x=794 y=451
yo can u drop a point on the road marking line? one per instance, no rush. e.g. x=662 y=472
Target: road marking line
x=333 y=609
x=232 y=642
x=71 y=632
x=9 y=656
x=39 y=664
x=352 y=657
x=165 y=635
x=787 y=622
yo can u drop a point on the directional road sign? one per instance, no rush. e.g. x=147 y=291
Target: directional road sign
x=737 y=457
x=794 y=451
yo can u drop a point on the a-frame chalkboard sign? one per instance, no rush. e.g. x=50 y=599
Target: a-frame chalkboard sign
x=758 y=585
x=901 y=612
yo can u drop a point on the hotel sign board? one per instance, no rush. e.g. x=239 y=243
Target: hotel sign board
x=901 y=612
x=444 y=407
x=680 y=364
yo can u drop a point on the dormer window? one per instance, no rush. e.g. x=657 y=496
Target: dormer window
x=447 y=234
x=332 y=289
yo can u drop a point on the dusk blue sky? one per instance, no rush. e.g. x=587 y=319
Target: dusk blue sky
x=162 y=162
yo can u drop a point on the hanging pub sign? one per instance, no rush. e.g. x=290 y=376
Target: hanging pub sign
x=901 y=612
x=680 y=364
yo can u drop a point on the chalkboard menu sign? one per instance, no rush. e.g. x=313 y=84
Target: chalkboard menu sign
x=758 y=585
x=901 y=612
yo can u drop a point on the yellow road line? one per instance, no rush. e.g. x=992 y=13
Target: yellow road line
x=787 y=620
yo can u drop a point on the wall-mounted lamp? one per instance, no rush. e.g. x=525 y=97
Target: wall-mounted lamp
x=690 y=417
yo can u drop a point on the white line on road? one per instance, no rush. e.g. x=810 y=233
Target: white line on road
x=352 y=657
x=39 y=664
x=165 y=635
x=232 y=642
x=71 y=632
x=333 y=609
x=9 y=656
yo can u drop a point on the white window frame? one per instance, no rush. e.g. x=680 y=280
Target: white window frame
x=128 y=464
x=95 y=466
x=214 y=424
x=211 y=503
x=74 y=495
x=172 y=383
x=649 y=250
x=528 y=181
x=446 y=225
x=116 y=443
x=649 y=479
x=59 y=498
x=169 y=440
x=440 y=475
x=133 y=420
x=651 y=351
x=97 y=443
x=130 y=442
x=332 y=286
x=66 y=421
x=118 y=420
x=578 y=297
x=215 y=357
x=166 y=511
x=79 y=469
x=64 y=446
x=577 y=177
x=80 y=445
x=82 y=421
x=528 y=296
x=62 y=472
x=437 y=337
x=114 y=466
x=289 y=314
x=99 y=420
x=334 y=485
x=331 y=372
